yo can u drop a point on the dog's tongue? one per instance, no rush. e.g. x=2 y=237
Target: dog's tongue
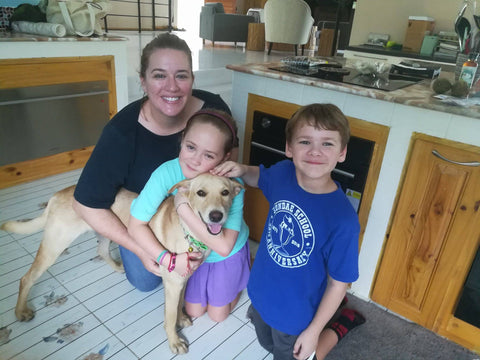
x=215 y=228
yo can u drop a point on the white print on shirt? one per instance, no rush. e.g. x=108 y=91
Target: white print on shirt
x=290 y=237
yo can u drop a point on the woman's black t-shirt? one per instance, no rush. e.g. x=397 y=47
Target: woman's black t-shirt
x=126 y=154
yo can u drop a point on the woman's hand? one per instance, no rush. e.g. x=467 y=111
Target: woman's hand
x=149 y=264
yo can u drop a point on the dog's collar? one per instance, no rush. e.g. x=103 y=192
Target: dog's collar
x=195 y=243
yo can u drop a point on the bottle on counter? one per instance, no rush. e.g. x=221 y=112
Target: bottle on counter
x=469 y=69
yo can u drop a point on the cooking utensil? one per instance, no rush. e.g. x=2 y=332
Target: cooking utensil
x=461 y=23
x=462 y=10
x=477 y=20
x=476 y=42
x=476 y=17
x=462 y=28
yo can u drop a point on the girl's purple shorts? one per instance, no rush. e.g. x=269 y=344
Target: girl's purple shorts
x=218 y=284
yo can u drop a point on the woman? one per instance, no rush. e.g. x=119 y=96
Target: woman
x=135 y=142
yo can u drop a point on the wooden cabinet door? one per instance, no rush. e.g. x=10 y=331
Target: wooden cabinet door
x=434 y=237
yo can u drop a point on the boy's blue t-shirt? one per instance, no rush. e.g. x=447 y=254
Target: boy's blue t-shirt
x=156 y=190
x=306 y=237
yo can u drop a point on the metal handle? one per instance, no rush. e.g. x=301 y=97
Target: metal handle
x=268 y=148
x=471 y=163
x=279 y=152
x=54 y=97
x=370 y=57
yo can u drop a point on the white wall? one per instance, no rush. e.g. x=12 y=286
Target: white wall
x=391 y=17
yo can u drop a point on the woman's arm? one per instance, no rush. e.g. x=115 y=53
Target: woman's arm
x=107 y=224
x=307 y=340
x=143 y=236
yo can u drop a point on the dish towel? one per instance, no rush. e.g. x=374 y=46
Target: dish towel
x=39 y=28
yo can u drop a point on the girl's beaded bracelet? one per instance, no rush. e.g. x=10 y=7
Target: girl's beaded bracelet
x=171 y=264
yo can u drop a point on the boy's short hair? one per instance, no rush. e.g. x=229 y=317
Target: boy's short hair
x=320 y=116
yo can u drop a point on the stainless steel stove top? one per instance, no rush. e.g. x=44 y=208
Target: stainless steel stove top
x=385 y=82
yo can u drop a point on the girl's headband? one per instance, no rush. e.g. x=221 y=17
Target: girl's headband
x=218 y=116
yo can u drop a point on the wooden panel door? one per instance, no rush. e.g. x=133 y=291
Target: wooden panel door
x=433 y=239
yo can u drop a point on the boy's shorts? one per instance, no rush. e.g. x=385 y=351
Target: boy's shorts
x=218 y=284
x=274 y=341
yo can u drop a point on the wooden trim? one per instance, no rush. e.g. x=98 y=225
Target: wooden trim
x=360 y=128
x=30 y=170
x=18 y=73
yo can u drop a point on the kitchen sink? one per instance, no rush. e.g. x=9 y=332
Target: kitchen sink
x=386 y=82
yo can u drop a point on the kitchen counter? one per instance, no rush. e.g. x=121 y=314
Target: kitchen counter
x=20 y=37
x=405 y=112
x=418 y=95
x=390 y=52
x=21 y=46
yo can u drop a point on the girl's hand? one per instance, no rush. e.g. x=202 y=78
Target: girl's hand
x=185 y=263
x=180 y=197
x=229 y=169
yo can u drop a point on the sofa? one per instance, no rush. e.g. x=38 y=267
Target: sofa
x=216 y=25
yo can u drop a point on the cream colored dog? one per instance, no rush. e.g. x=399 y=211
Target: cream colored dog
x=209 y=196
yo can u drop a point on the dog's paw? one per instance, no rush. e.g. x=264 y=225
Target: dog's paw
x=24 y=314
x=118 y=267
x=178 y=346
x=184 y=321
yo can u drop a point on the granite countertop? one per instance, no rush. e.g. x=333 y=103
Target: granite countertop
x=400 y=53
x=418 y=95
x=24 y=37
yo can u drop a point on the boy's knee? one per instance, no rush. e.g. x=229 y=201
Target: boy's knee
x=266 y=343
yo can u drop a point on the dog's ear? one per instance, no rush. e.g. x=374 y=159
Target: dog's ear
x=237 y=186
x=184 y=183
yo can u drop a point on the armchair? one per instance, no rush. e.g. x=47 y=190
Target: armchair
x=216 y=25
x=287 y=22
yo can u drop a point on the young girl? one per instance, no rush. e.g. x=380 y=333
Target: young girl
x=215 y=287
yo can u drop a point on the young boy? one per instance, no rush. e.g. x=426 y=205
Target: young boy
x=309 y=248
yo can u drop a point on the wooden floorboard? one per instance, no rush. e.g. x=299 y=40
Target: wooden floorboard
x=84 y=308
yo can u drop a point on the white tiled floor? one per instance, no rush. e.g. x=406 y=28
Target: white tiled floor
x=83 y=308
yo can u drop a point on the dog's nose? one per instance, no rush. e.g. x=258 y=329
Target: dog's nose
x=215 y=216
